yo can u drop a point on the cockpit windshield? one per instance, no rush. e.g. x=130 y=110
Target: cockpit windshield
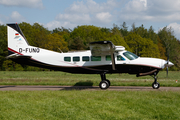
x=130 y=56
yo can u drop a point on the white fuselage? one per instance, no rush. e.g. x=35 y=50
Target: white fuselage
x=58 y=59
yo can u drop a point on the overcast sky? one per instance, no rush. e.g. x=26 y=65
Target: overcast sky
x=102 y=13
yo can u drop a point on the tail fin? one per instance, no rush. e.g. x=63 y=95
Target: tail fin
x=16 y=39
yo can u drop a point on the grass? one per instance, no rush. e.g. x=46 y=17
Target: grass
x=89 y=105
x=61 y=78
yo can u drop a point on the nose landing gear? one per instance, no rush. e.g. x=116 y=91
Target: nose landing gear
x=155 y=84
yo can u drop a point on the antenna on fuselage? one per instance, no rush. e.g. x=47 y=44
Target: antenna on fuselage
x=60 y=50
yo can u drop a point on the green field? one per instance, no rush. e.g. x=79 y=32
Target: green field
x=85 y=104
x=61 y=78
x=89 y=105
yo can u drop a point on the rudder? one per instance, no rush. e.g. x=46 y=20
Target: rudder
x=16 y=38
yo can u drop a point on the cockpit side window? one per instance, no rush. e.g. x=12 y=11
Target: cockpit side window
x=130 y=56
x=120 y=58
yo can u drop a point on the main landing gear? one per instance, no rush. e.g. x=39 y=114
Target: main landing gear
x=104 y=84
x=155 y=84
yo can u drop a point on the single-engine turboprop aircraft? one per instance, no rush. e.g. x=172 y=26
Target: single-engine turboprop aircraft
x=102 y=58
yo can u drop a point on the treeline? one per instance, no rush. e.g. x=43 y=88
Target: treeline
x=139 y=40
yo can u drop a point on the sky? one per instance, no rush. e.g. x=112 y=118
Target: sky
x=101 y=13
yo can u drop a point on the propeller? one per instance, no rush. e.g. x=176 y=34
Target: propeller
x=167 y=65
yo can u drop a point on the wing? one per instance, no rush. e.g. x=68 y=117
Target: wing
x=103 y=48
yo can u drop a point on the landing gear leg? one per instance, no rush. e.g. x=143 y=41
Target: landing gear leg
x=104 y=84
x=155 y=84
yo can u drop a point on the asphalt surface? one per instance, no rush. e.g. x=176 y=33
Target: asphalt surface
x=117 y=88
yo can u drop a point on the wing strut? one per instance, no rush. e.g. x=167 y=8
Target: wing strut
x=113 y=62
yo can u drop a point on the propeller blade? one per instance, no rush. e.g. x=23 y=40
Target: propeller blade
x=167 y=65
x=168 y=60
x=167 y=71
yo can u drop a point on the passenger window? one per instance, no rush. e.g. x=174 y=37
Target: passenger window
x=76 y=59
x=108 y=57
x=95 y=58
x=68 y=59
x=85 y=58
x=120 y=58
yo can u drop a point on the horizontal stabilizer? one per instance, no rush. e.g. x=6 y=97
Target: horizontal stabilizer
x=15 y=56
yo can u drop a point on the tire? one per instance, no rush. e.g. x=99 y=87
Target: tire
x=109 y=82
x=104 y=84
x=155 y=85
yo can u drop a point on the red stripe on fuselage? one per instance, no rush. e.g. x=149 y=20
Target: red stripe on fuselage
x=20 y=53
x=14 y=51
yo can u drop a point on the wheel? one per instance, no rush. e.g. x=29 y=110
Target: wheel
x=109 y=82
x=104 y=84
x=155 y=85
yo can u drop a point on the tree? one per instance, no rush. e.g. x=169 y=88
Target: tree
x=149 y=49
x=116 y=30
x=133 y=29
x=77 y=44
x=3 y=45
x=9 y=65
x=162 y=49
x=35 y=34
x=119 y=41
x=86 y=34
x=63 y=32
x=141 y=46
x=124 y=29
x=41 y=34
x=56 y=42
x=152 y=35
x=106 y=30
x=171 y=45
x=140 y=31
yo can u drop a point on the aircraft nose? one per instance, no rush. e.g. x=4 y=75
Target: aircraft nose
x=168 y=64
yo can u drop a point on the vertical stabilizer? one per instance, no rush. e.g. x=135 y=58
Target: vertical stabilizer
x=16 y=39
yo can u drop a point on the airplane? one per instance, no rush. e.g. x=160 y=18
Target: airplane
x=102 y=58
